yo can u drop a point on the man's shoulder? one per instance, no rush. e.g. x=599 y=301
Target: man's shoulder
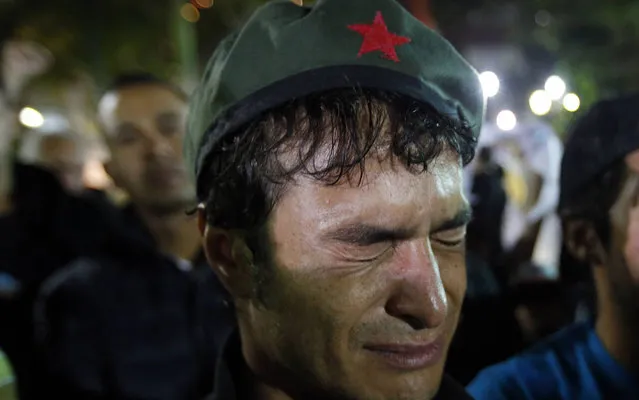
x=81 y=275
x=497 y=382
x=532 y=374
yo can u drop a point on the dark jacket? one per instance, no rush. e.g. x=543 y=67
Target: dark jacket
x=231 y=369
x=129 y=323
x=115 y=318
x=46 y=230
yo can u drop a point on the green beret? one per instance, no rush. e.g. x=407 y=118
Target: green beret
x=286 y=51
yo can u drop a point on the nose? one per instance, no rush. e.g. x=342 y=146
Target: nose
x=158 y=146
x=419 y=297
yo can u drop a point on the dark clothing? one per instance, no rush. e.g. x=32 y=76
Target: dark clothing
x=129 y=323
x=489 y=203
x=45 y=230
x=572 y=365
x=231 y=370
x=116 y=319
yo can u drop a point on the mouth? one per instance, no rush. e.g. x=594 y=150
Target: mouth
x=165 y=176
x=408 y=357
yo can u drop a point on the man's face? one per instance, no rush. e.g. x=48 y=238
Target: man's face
x=63 y=157
x=624 y=253
x=366 y=285
x=144 y=125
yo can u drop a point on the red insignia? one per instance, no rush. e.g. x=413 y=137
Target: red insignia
x=378 y=38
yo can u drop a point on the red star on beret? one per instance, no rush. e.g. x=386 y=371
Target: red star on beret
x=378 y=38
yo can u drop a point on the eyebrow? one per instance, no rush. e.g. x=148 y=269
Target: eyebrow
x=365 y=235
x=462 y=218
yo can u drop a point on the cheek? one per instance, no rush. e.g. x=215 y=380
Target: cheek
x=631 y=248
x=453 y=274
x=176 y=144
x=126 y=165
x=305 y=322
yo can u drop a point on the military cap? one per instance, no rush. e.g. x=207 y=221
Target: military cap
x=286 y=51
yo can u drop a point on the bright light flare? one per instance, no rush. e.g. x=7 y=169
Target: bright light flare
x=506 y=120
x=571 y=102
x=556 y=87
x=489 y=83
x=31 y=118
x=540 y=102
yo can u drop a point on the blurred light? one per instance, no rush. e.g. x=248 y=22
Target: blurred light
x=543 y=18
x=31 y=118
x=506 y=120
x=54 y=123
x=489 y=83
x=540 y=102
x=298 y=2
x=204 y=3
x=556 y=87
x=190 y=13
x=572 y=102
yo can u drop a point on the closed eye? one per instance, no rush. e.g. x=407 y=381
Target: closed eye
x=367 y=254
x=452 y=239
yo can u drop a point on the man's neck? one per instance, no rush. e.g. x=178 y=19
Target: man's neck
x=176 y=234
x=617 y=333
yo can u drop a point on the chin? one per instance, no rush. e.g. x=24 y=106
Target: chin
x=418 y=385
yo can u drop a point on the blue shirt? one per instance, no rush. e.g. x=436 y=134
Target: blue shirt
x=573 y=364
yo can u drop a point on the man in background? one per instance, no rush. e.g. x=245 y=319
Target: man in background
x=139 y=318
x=598 y=205
x=61 y=153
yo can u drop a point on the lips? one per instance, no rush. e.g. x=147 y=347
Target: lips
x=408 y=356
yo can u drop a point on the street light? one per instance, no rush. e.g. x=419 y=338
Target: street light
x=31 y=118
x=540 y=102
x=489 y=83
x=556 y=87
x=506 y=120
x=572 y=102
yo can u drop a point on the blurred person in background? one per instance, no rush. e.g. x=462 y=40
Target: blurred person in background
x=139 y=319
x=489 y=202
x=486 y=302
x=41 y=226
x=60 y=153
x=600 y=212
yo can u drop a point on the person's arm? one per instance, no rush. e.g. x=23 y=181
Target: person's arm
x=68 y=333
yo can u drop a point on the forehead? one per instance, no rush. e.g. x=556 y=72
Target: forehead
x=389 y=195
x=138 y=102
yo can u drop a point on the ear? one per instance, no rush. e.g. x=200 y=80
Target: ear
x=583 y=243
x=229 y=256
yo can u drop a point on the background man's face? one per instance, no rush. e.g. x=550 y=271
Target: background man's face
x=366 y=283
x=144 y=125
x=624 y=252
x=63 y=157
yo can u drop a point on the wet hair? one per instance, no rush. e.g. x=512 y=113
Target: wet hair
x=247 y=172
x=596 y=199
x=128 y=80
